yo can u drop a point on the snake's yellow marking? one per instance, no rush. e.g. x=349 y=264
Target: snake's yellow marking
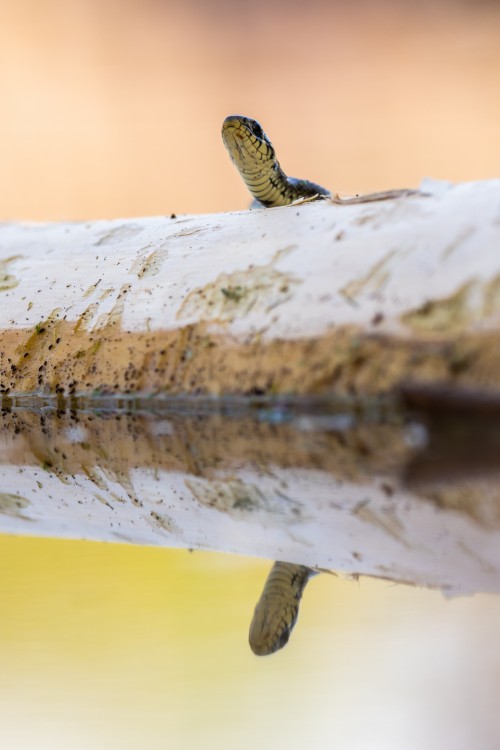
x=278 y=607
x=254 y=156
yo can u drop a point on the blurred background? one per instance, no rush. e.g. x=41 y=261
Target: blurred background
x=113 y=108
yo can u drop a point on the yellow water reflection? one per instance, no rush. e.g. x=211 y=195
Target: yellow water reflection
x=114 y=646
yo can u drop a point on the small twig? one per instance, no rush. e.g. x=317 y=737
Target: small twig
x=373 y=197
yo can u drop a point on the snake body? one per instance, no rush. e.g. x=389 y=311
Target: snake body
x=254 y=156
x=278 y=607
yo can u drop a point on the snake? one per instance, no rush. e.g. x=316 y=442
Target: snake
x=278 y=607
x=254 y=157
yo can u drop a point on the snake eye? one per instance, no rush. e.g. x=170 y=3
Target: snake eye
x=283 y=639
x=257 y=130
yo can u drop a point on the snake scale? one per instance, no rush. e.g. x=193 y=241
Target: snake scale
x=254 y=156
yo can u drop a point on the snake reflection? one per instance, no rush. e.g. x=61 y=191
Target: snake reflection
x=278 y=607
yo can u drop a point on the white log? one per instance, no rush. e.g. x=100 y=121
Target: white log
x=317 y=299
x=301 y=299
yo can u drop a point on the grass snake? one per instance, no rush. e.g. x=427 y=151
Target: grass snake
x=278 y=607
x=255 y=158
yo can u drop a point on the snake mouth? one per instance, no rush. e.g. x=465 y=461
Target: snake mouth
x=265 y=638
x=232 y=122
x=235 y=129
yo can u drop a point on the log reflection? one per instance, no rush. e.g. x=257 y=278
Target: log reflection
x=386 y=491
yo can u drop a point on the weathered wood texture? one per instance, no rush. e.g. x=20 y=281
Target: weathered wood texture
x=305 y=299
x=315 y=299
x=293 y=491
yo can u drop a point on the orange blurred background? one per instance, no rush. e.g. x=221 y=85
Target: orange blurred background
x=113 y=108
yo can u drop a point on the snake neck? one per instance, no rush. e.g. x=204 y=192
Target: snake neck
x=271 y=187
x=268 y=184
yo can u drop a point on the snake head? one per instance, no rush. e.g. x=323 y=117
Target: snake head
x=254 y=157
x=272 y=623
x=278 y=607
x=246 y=142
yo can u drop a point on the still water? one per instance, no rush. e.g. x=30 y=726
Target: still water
x=130 y=645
